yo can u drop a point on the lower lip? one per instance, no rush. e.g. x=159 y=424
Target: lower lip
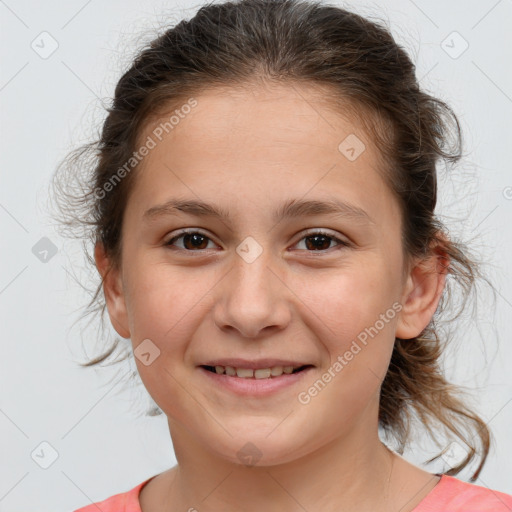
x=255 y=387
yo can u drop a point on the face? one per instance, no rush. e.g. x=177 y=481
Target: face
x=312 y=287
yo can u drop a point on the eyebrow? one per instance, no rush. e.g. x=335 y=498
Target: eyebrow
x=292 y=208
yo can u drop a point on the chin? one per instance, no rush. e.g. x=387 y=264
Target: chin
x=260 y=449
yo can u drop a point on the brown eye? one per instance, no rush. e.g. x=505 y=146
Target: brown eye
x=320 y=241
x=192 y=240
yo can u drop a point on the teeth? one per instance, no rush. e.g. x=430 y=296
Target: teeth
x=242 y=372
x=276 y=371
x=260 y=373
x=230 y=371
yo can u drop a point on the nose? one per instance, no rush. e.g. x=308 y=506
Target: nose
x=252 y=299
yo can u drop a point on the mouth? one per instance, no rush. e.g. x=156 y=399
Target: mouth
x=255 y=377
x=256 y=373
x=262 y=381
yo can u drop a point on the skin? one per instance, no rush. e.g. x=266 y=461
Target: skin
x=249 y=150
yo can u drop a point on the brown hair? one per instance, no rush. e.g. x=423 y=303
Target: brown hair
x=349 y=58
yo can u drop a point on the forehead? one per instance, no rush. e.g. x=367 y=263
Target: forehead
x=262 y=143
x=278 y=111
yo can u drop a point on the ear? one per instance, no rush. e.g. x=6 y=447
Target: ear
x=113 y=291
x=422 y=292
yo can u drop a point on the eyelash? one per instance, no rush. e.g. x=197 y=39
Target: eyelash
x=341 y=243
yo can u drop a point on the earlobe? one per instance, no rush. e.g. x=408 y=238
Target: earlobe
x=422 y=293
x=113 y=291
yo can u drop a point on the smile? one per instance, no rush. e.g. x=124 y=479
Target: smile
x=259 y=382
x=249 y=373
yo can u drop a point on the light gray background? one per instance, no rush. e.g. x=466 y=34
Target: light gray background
x=103 y=442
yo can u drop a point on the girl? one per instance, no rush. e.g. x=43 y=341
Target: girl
x=263 y=212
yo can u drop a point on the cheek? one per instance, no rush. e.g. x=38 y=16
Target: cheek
x=162 y=301
x=358 y=362
x=347 y=300
x=165 y=384
x=355 y=318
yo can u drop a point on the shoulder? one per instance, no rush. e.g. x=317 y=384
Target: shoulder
x=462 y=496
x=122 y=502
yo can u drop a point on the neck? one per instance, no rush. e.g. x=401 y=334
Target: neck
x=351 y=472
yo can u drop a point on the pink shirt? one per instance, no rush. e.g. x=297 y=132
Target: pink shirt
x=449 y=495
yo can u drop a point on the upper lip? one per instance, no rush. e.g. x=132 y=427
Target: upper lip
x=254 y=364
